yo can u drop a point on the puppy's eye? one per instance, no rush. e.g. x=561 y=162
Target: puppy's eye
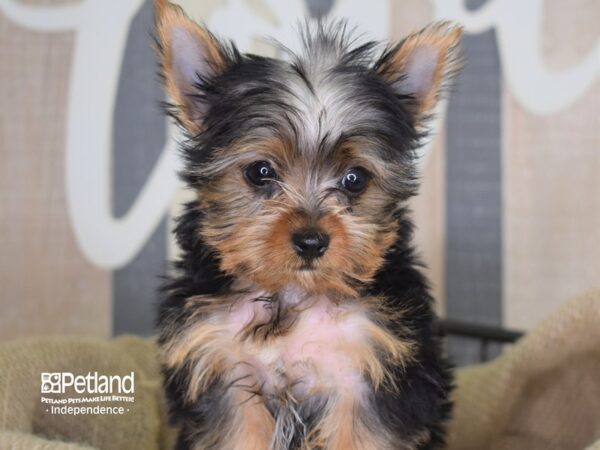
x=260 y=173
x=355 y=180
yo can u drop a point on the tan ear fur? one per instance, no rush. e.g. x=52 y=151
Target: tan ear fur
x=424 y=63
x=185 y=50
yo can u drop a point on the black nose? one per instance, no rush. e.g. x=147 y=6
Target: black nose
x=310 y=244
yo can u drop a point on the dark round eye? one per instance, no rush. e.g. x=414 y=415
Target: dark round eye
x=260 y=173
x=355 y=180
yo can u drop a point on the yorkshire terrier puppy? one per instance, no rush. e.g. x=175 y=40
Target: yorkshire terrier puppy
x=297 y=316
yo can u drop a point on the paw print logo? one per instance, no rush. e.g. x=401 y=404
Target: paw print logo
x=51 y=383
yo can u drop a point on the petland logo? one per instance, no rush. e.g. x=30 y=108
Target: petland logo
x=102 y=394
x=92 y=383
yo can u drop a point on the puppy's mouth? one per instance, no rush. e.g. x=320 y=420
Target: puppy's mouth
x=307 y=266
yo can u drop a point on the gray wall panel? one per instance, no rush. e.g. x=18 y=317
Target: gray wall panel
x=473 y=196
x=139 y=136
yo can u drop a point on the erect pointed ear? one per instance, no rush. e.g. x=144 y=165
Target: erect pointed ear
x=423 y=64
x=189 y=54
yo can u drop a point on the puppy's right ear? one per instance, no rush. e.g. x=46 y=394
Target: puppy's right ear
x=189 y=54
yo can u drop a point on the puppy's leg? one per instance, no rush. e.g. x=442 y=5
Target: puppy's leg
x=352 y=422
x=252 y=424
x=343 y=427
x=222 y=422
x=389 y=398
x=214 y=394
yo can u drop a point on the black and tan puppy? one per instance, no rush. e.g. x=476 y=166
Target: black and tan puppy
x=297 y=316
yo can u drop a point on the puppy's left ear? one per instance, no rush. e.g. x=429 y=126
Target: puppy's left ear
x=189 y=55
x=423 y=64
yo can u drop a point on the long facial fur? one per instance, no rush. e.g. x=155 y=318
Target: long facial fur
x=312 y=123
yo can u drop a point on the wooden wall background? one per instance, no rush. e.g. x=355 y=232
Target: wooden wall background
x=508 y=215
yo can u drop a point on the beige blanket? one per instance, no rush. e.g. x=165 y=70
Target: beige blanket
x=542 y=393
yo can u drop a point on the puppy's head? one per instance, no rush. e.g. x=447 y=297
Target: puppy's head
x=301 y=165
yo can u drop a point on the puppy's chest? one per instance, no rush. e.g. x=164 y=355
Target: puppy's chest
x=308 y=345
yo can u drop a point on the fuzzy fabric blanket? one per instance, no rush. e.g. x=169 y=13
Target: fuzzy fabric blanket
x=542 y=393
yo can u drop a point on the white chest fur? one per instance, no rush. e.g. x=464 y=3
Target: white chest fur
x=321 y=350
